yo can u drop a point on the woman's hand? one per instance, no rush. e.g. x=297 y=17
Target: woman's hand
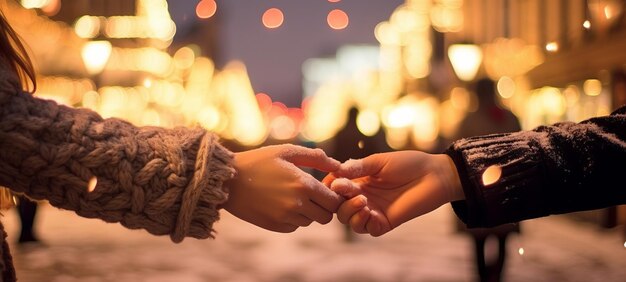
x=386 y=190
x=270 y=191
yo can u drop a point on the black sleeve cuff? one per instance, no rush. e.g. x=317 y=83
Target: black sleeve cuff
x=516 y=195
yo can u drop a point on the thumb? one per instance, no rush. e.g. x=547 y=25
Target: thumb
x=352 y=168
x=307 y=157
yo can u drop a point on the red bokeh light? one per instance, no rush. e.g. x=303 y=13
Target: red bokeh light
x=273 y=18
x=337 y=19
x=206 y=9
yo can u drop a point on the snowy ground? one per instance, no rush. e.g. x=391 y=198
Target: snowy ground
x=427 y=249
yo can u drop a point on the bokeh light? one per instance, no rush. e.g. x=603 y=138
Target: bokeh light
x=273 y=18
x=87 y=26
x=206 y=9
x=491 y=175
x=52 y=7
x=367 y=122
x=91 y=185
x=338 y=19
x=592 y=87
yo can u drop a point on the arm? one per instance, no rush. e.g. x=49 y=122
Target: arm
x=553 y=169
x=167 y=181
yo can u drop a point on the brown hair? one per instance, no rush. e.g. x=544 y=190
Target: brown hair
x=14 y=55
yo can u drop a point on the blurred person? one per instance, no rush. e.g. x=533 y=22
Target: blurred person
x=489 y=118
x=27 y=212
x=351 y=143
x=167 y=181
x=490 y=179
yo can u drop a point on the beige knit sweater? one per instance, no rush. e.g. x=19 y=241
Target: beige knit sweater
x=166 y=181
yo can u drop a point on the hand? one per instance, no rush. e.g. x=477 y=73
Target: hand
x=389 y=189
x=270 y=191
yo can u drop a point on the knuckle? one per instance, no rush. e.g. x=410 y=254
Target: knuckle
x=326 y=218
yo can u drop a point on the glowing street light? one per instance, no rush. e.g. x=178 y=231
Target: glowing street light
x=95 y=55
x=465 y=59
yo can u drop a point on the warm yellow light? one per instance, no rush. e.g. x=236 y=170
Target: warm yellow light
x=209 y=117
x=520 y=251
x=417 y=58
x=52 y=7
x=592 y=87
x=324 y=119
x=152 y=60
x=460 y=98
x=184 y=57
x=337 y=19
x=283 y=128
x=572 y=95
x=151 y=117
x=425 y=124
x=400 y=116
x=387 y=34
x=397 y=138
x=34 y=4
x=246 y=123
x=587 y=24
x=506 y=87
x=87 y=26
x=552 y=101
x=147 y=83
x=491 y=175
x=552 y=47
x=95 y=55
x=91 y=100
x=273 y=18
x=446 y=19
x=367 y=122
x=124 y=27
x=91 y=186
x=465 y=59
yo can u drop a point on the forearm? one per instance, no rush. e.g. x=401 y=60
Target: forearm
x=551 y=170
x=164 y=181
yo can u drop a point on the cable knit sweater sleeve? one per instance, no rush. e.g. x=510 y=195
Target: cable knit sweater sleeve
x=554 y=169
x=167 y=181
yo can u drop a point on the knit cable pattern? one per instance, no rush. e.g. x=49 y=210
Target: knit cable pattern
x=167 y=181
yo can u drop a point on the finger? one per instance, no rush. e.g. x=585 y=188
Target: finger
x=314 y=212
x=307 y=157
x=350 y=207
x=320 y=194
x=375 y=226
x=359 y=220
x=299 y=220
x=328 y=179
x=345 y=187
x=284 y=228
x=352 y=168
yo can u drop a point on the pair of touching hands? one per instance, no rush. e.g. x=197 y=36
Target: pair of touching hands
x=373 y=195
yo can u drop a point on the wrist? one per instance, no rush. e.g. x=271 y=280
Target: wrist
x=452 y=180
x=231 y=184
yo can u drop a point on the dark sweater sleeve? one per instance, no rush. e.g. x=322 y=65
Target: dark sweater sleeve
x=167 y=181
x=555 y=169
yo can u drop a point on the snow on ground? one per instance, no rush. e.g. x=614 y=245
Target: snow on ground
x=426 y=249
